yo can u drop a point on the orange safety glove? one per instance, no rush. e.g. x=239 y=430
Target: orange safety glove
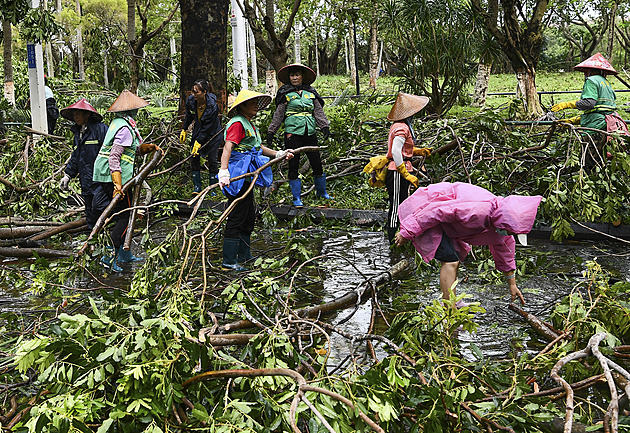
x=117 y=179
x=147 y=147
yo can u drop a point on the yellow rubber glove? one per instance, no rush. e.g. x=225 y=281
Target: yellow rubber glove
x=402 y=169
x=182 y=136
x=563 y=105
x=117 y=179
x=422 y=151
x=195 y=148
x=572 y=120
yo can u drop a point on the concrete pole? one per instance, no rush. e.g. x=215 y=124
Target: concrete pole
x=35 y=58
x=252 y=56
x=239 y=44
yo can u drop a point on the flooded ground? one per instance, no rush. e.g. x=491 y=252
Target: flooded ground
x=355 y=255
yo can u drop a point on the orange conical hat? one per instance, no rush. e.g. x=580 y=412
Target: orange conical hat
x=127 y=101
x=81 y=104
x=406 y=105
x=596 y=61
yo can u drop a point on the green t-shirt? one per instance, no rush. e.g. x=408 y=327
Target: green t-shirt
x=598 y=88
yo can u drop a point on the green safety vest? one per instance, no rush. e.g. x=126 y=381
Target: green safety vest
x=252 y=137
x=299 y=113
x=598 y=88
x=101 y=165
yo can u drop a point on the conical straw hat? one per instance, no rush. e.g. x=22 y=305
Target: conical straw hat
x=246 y=95
x=127 y=101
x=596 y=61
x=308 y=75
x=406 y=105
x=81 y=104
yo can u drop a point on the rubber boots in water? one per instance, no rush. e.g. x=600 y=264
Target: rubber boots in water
x=296 y=191
x=320 y=186
x=244 y=249
x=125 y=256
x=230 y=251
x=196 y=178
x=110 y=261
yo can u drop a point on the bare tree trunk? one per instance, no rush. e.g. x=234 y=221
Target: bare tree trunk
x=527 y=90
x=481 y=85
x=297 y=44
x=351 y=53
x=105 y=75
x=204 y=46
x=7 y=52
x=134 y=68
x=80 y=44
x=374 y=48
x=611 y=33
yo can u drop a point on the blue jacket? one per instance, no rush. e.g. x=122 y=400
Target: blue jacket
x=86 y=150
x=207 y=126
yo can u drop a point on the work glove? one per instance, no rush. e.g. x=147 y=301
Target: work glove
x=402 y=169
x=182 y=136
x=575 y=120
x=563 y=105
x=422 y=151
x=195 y=148
x=63 y=183
x=224 y=177
x=117 y=179
x=326 y=133
x=287 y=154
x=147 y=147
x=270 y=139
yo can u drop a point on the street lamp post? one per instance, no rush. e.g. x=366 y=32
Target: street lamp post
x=353 y=12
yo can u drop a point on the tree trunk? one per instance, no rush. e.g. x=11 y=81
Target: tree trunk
x=134 y=67
x=105 y=76
x=80 y=44
x=7 y=52
x=297 y=44
x=204 y=47
x=611 y=32
x=481 y=84
x=374 y=48
x=351 y=54
x=527 y=90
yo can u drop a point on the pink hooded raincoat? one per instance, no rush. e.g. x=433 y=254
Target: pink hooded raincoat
x=468 y=215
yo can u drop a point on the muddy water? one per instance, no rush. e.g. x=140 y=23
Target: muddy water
x=358 y=254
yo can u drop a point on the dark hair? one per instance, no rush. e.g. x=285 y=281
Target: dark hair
x=204 y=85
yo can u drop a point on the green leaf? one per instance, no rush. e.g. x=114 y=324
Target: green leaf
x=104 y=428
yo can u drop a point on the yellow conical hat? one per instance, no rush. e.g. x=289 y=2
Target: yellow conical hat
x=127 y=101
x=406 y=105
x=246 y=95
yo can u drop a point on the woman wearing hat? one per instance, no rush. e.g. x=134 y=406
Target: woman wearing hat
x=114 y=167
x=202 y=109
x=400 y=150
x=597 y=99
x=89 y=134
x=300 y=108
x=243 y=153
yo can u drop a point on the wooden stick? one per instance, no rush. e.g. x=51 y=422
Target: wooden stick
x=68 y=226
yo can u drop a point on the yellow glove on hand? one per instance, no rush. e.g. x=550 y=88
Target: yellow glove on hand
x=402 y=169
x=572 y=120
x=182 y=136
x=563 y=105
x=195 y=149
x=422 y=151
x=147 y=147
x=117 y=179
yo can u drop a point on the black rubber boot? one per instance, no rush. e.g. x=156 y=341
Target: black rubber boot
x=230 y=251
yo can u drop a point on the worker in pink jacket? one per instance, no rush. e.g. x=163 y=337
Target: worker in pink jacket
x=444 y=219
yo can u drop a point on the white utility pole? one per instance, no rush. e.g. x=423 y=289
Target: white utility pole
x=35 y=57
x=173 y=54
x=239 y=44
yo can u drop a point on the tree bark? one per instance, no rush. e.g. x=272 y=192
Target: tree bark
x=80 y=44
x=374 y=48
x=351 y=54
x=611 y=31
x=204 y=47
x=481 y=84
x=7 y=51
x=134 y=70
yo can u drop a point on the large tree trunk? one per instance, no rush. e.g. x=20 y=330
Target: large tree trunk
x=80 y=44
x=7 y=64
x=374 y=48
x=351 y=54
x=481 y=84
x=204 y=47
x=611 y=32
x=527 y=90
